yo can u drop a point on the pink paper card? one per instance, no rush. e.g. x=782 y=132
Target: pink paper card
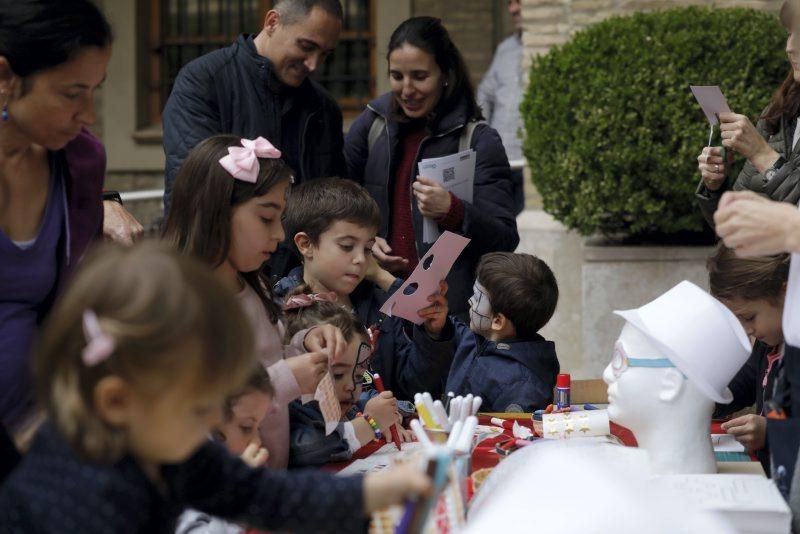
x=712 y=101
x=413 y=295
x=328 y=403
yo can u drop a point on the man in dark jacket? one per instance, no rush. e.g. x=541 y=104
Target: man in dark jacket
x=259 y=86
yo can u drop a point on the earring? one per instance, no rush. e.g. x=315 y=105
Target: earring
x=4 y=113
x=446 y=83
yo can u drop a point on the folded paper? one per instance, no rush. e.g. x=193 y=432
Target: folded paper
x=712 y=101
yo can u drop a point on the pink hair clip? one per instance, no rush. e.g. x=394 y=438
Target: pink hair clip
x=100 y=345
x=306 y=300
x=242 y=162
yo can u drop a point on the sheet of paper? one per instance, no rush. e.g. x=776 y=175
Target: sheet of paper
x=328 y=403
x=726 y=443
x=380 y=459
x=413 y=295
x=791 y=306
x=735 y=492
x=581 y=424
x=456 y=173
x=712 y=101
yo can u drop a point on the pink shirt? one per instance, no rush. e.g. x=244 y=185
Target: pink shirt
x=274 y=428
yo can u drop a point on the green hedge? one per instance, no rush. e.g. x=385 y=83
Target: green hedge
x=612 y=129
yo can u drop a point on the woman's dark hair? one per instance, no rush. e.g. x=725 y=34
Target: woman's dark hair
x=36 y=35
x=203 y=198
x=785 y=103
x=428 y=34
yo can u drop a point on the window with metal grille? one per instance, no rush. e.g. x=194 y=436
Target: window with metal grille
x=182 y=30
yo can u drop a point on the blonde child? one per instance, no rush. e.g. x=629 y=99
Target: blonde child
x=310 y=445
x=227 y=204
x=754 y=290
x=238 y=431
x=132 y=370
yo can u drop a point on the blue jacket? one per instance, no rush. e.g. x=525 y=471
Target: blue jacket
x=54 y=489
x=509 y=376
x=308 y=444
x=408 y=360
x=489 y=220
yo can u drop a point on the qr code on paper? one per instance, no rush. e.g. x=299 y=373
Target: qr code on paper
x=449 y=174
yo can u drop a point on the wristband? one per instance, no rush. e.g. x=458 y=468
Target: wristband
x=112 y=195
x=372 y=424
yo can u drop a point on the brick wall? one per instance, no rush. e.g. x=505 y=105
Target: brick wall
x=552 y=22
x=471 y=24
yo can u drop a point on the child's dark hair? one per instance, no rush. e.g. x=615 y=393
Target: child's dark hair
x=315 y=206
x=203 y=198
x=730 y=276
x=522 y=287
x=323 y=312
x=37 y=35
x=257 y=381
x=170 y=319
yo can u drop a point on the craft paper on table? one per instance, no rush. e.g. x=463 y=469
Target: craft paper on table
x=413 y=295
x=576 y=425
x=328 y=403
x=726 y=443
x=712 y=101
x=381 y=459
x=791 y=306
x=456 y=173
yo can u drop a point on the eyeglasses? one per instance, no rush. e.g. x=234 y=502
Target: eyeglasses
x=620 y=361
x=361 y=368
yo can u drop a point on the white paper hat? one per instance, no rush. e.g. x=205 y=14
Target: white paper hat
x=698 y=334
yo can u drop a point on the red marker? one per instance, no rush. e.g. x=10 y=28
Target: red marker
x=378 y=382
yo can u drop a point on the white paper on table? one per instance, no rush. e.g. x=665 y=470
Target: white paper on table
x=456 y=173
x=432 y=268
x=380 y=459
x=791 y=306
x=712 y=101
x=328 y=403
x=568 y=425
x=726 y=443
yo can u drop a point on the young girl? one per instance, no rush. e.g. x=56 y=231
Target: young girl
x=227 y=204
x=238 y=431
x=309 y=443
x=132 y=370
x=754 y=290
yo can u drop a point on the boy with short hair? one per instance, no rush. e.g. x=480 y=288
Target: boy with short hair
x=501 y=357
x=332 y=223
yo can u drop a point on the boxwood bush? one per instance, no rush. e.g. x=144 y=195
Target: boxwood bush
x=612 y=129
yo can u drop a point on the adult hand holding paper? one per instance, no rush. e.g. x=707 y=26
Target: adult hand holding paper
x=456 y=174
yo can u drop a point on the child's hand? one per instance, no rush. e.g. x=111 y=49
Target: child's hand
x=394 y=486
x=255 y=456
x=435 y=314
x=308 y=370
x=377 y=274
x=750 y=430
x=383 y=408
x=406 y=435
x=326 y=338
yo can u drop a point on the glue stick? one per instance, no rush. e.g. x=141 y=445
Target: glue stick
x=562 y=391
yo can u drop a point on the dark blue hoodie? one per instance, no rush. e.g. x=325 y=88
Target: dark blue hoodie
x=515 y=375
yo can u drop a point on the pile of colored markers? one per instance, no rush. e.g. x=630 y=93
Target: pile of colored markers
x=435 y=415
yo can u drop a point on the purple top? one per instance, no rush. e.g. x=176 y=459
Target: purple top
x=28 y=277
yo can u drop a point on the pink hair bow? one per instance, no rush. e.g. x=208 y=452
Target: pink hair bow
x=242 y=162
x=100 y=345
x=305 y=300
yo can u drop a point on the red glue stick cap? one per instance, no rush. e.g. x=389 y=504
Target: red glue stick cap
x=563 y=380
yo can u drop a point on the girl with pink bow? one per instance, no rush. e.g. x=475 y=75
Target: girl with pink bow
x=227 y=204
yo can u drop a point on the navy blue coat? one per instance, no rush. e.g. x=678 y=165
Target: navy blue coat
x=509 y=376
x=56 y=490
x=407 y=359
x=489 y=220
x=308 y=444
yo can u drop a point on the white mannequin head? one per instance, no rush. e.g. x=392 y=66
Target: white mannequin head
x=667 y=413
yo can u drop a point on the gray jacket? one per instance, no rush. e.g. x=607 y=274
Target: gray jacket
x=784 y=186
x=500 y=94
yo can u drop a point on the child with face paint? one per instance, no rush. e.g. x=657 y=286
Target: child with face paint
x=500 y=356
